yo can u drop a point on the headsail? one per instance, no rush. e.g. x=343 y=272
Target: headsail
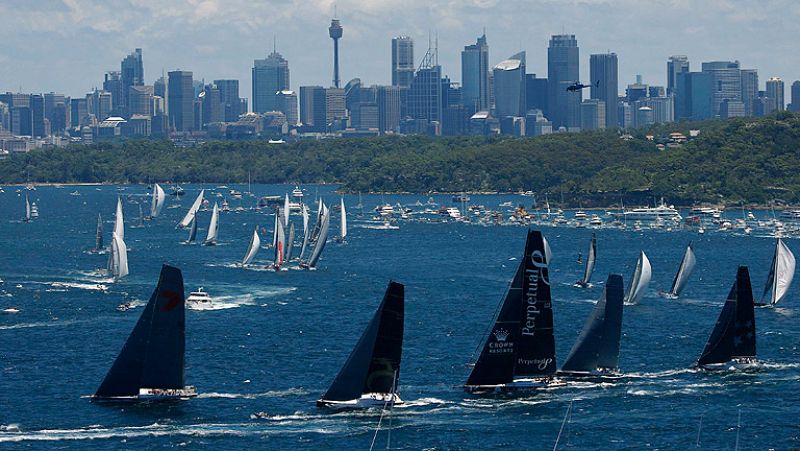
x=153 y=355
x=252 y=249
x=159 y=197
x=781 y=273
x=597 y=347
x=684 y=271
x=280 y=243
x=590 y=261
x=374 y=364
x=306 y=233
x=213 y=227
x=344 y=221
x=192 y=231
x=27 y=208
x=192 y=211
x=286 y=210
x=734 y=334
x=640 y=280
x=119 y=221
x=322 y=238
x=119 y=257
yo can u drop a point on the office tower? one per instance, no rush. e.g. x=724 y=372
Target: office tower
x=509 y=87
x=335 y=32
x=661 y=108
x=79 y=110
x=624 y=113
x=693 y=96
x=388 y=100
x=352 y=93
x=536 y=123
x=37 y=116
x=55 y=111
x=132 y=69
x=425 y=94
x=603 y=70
x=229 y=96
x=364 y=116
x=475 y=76
x=563 y=69
x=180 y=101
x=140 y=100
x=731 y=108
x=643 y=117
x=402 y=61
x=212 y=110
x=775 y=90
x=749 y=89
x=676 y=64
x=593 y=114
x=335 y=109
x=99 y=104
x=312 y=108
x=270 y=76
x=536 y=94
x=726 y=82
x=21 y=121
x=656 y=91
x=795 y=105
x=287 y=104
x=636 y=91
x=112 y=83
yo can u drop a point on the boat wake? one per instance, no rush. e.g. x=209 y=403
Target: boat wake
x=41 y=324
x=222 y=303
x=80 y=286
x=268 y=394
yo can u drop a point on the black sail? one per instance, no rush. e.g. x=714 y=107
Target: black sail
x=598 y=344
x=536 y=348
x=495 y=364
x=734 y=334
x=153 y=355
x=374 y=364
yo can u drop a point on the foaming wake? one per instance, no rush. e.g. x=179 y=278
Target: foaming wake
x=42 y=324
x=268 y=394
x=80 y=286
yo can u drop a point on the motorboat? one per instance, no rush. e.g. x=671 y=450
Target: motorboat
x=199 y=296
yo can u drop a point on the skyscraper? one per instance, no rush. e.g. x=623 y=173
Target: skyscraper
x=313 y=108
x=676 y=64
x=605 y=85
x=388 y=100
x=335 y=32
x=425 y=95
x=270 y=76
x=229 y=96
x=795 y=105
x=593 y=114
x=749 y=89
x=726 y=83
x=402 y=61
x=775 y=90
x=132 y=69
x=180 y=100
x=509 y=87
x=287 y=103
x=113 y=84
x=693 y=96
x=475 y=76
x=140 y=99
x=563 y=69
x=536 y=93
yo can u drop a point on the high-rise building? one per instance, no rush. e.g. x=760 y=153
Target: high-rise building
x=776 y=90
x=593 y=114
x=287 y=104
x=140 y=100
x=79 y=110
x=563 y=69
x=475 y=76
x=56 y=111
x=335 y=32
x=313 y=108
x=402 y=61
x=335 y=109
x=509 y=87
x=676 y=64
x=39 y=125
x=726 y=83
x=388 y=100
x=693 y=96
x=603 y=70
x=132 y=71
x=99 y=104
x=425 y=94
x=749 y=89
x=636 y=91
x=795 y=105
x=213 y=110
x=536 y=94
x=180 y=100
x=270 y=76
x=113 y=83
x=229 y=96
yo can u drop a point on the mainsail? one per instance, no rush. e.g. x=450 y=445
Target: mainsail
x=344 y=221
x=27 y=208
x=213 y=227
x=119 y=221
x=374 y=364
x=590 y=261
x=159 y=197
x=640 y=280
x=280 y=245
x=153 y=355
x=306 y=233
x=597 y=347
x=781 y=274
x=521 y=342
x=252 y=249
x=119 y=257
x=192 y=211
x=286 y=210
x=192 y=231
x=290 y=243
x=322 y=238
x=98 y=238
x=684 y=271
x=734 y=334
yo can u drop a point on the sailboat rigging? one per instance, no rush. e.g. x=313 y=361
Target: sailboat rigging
x=321 y=239
x=590 y=262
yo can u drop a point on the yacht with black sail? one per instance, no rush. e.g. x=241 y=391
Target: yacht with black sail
x=595 y=355
x=519 y=354
x=370 y=376
x=150 y=366
x=732 y=344
x=589 y=269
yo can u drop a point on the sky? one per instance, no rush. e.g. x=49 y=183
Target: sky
x=66 y=46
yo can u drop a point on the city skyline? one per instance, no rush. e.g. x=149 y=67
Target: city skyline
x=200 y=42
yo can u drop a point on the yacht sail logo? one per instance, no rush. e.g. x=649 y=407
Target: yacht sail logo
x=501 y=335
x=501 y=344
x=173 y=299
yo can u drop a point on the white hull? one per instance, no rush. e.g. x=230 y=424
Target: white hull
x=155 y=394
x=517 y=386
x=594 y=376
x=367 y=401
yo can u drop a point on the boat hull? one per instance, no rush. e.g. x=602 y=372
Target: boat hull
x=153 y=395
x=366 y=401
x=741 y=364
x=518 y=386
x=591 y=376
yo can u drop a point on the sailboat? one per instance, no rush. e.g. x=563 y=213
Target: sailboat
x=252 y=248
x=343 y=225
x=213 y=227
x=520 y=352
x=370 y=376
x=732 y=344
x=151 y=364
x=306 y=234
x=595 y=354
x=98 y=237
x=289 y=243
x=159 y=198
x=682 y=276
x=27 y=209
x=192 y=232
x=639 y=281
x=280 y=245
x=321 y=239
x=780 y=276
x=590 y=262
x=118 y=259
x=192 y=211
x=119 y=220
x=286 y=210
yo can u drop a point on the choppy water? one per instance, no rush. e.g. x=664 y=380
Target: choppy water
x=277 y=339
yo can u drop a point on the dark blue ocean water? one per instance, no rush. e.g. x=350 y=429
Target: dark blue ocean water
x=282 y=337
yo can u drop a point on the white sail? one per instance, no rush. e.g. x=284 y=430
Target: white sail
x=159 y=197
x=252 y=250
x=687 y=265
x=275 y=230
x=344 y=220
x=591 y=258
x=306 y=233
x=120 y=257
x=640 y=280
x=286 y=210
x=280 y=245
x=304 y=209
x=213 y=226
x=192 y=211
x=548 y=254
x=784 y=271
x=321 y=238
x=27 y=208
x=119 y=222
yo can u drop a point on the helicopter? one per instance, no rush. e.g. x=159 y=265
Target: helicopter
x=577 y=86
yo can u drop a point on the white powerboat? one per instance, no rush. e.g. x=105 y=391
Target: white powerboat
x=199 y=296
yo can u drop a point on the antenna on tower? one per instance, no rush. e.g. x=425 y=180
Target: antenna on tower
x=436 y=50
x=274 y=43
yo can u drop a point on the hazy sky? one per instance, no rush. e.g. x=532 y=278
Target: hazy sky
x=67 y=45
